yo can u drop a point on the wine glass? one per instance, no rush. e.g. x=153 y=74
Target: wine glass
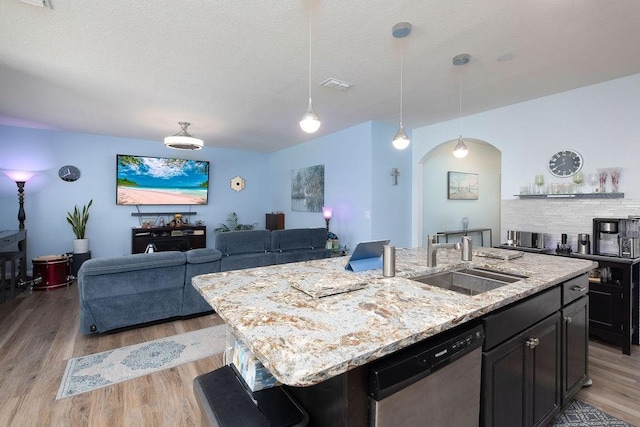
x=539 y=180
x=578 y=179
x=592 y=180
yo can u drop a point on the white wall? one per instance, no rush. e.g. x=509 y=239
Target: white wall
x=599 y=121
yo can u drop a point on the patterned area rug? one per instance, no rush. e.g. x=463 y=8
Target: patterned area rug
x=98 y=370
x=579 y=414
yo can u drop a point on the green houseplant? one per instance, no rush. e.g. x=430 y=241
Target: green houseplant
x=232 y=224
x=78 y=220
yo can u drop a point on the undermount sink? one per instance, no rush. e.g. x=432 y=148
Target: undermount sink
x=470 y=281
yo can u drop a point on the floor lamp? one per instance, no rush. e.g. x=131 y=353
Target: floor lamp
x=20 y=178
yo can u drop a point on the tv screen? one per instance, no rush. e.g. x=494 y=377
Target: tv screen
x=143 y=180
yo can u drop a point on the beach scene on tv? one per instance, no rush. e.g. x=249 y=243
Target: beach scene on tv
x=161 y=181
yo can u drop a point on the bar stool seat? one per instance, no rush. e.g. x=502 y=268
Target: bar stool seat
x=11 y=257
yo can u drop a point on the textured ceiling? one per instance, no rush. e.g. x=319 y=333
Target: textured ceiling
x=238 y=69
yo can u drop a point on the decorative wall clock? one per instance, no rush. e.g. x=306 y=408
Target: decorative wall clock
x=565 y=163
x=238 y=183
x=69 y=173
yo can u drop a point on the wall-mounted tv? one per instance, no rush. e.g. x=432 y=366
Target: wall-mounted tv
x=143 y=180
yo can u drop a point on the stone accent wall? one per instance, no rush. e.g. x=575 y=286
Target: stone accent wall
x=556 y=216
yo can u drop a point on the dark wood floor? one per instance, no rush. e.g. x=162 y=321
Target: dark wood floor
x=39 y=333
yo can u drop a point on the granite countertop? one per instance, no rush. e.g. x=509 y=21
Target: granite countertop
x=304 y=340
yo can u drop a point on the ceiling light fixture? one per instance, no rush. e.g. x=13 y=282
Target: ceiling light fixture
x=183 y=140
x=310 y=121
x=400 y=31
x=461 y=150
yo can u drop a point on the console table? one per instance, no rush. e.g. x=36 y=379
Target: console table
x=169 y=238
x=481 y=231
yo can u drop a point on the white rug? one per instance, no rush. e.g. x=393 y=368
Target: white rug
x=98 y=370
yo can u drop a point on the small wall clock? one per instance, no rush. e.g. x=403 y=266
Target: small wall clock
x=69 y=173
x=565 y=163
x=238 y=183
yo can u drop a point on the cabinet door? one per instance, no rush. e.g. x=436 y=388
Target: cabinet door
x=575 y=343
x=605 y=311
x=544 y=362
x=503 y=384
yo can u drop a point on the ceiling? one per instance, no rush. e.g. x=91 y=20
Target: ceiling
x=238 y=69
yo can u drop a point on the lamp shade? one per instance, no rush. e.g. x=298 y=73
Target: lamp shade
x=327 y=212
x=310 y=122
x=400 y=139
x=460 y=150
x=19 y=176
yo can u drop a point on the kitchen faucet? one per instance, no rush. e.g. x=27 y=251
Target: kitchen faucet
x=433 y=246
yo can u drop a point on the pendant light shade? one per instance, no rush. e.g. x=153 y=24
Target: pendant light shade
x=310 y=122
x=183 y=140
x=400 y=31
x=460 y=149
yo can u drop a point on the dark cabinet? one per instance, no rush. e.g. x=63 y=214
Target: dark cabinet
x=169 y=238
x=575 y=345
x=521 y=377
x=274 y=221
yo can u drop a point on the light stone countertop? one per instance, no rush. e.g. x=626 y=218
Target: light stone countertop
x=304 y=340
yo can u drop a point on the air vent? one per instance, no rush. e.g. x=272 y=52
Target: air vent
x=335 y=84
x=39 y=3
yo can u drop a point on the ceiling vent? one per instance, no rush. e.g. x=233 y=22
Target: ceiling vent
x=335 y=84
x=39 y=3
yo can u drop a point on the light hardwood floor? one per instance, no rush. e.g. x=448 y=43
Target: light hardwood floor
x=39 y=333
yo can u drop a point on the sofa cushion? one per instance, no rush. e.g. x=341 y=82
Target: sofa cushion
x=134 y=262
x=203 y=255
x=298 y=238
x=243 y=242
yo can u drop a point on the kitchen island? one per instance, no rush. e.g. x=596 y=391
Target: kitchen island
x=305 y=340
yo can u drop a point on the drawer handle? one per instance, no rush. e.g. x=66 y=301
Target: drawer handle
x=579 y=288
x=532 y=343
x=567 y=319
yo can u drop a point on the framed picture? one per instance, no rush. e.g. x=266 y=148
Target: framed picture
x=307 y=189
x=462 y=186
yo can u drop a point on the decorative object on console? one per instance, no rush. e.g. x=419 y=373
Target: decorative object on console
x=69 y=173
x=462 y=186
x=565 y=163
x=238 y=183
x=20 y=178
x=310 y=121
x=78 y=220
x=232 y=224
x=615 y=179
x=461 y=150
x=327 y=212
x=143 y=180
x=183 y=140
x=400 y=31
x=307 y=189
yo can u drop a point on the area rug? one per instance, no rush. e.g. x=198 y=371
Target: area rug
x=98 y=370
x=579 y=414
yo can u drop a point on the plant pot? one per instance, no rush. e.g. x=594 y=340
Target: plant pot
x=80 y=246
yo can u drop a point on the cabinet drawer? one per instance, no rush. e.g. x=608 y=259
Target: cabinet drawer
x=575 y=288
x=515 y=318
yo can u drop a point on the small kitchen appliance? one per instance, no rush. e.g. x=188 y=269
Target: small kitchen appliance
x=525 y=239
x=619 y=237
x=584 y=243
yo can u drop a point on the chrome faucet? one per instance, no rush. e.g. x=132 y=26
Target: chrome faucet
x=433 y=246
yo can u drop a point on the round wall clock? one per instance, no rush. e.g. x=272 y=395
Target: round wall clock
x=69 y=173
x=237 y=183
x=565 y=163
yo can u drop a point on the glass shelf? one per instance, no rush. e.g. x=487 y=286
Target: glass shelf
x=573 y=196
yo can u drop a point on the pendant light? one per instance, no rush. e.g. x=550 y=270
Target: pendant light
x=460 y=150
x=310 y=121
x=400 y=31
x=183 y=140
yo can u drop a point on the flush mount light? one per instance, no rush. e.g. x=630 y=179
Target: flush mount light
x=183 y=140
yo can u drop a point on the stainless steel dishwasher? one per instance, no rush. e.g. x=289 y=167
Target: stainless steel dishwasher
x=433 y=383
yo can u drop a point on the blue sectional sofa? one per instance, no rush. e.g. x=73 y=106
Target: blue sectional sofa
x=117 y=292
x=257 y=248
x=122 y=291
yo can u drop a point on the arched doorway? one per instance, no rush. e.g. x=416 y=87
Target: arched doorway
x=439 y=212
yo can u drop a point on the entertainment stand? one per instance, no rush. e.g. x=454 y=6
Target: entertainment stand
x=169 y=238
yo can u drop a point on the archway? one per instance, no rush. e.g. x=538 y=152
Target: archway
x=441 y=213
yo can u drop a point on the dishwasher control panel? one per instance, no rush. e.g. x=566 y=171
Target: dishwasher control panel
x=400 y=369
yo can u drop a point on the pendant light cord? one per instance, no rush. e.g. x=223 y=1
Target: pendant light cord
x=309 y=49
x=460 y=106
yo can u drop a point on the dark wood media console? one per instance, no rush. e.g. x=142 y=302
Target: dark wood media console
x=169 y=238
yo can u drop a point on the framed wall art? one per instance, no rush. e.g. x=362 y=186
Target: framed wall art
x=307 y=189
x=462 y=186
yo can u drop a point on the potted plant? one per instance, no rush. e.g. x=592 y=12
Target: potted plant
x=232 y=224
x=78 y=220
